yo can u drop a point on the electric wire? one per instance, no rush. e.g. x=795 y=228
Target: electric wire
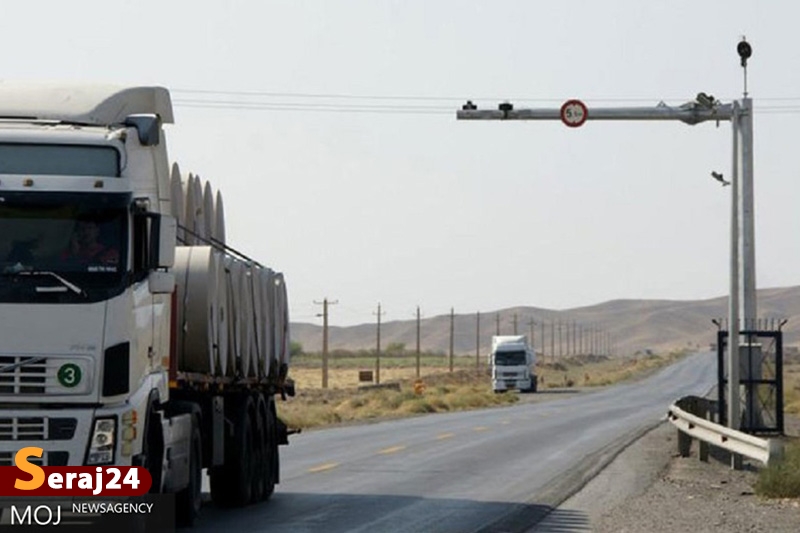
x=397 y=104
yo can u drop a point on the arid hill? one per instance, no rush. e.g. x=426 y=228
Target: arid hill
x=635 y=325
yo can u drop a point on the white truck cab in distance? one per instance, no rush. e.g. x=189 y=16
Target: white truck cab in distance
x=512 y=361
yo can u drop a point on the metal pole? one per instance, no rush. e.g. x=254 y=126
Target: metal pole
x=733 y=413
x=746 y=198
x=689 y=113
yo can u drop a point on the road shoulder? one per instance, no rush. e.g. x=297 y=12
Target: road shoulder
x=650 y=488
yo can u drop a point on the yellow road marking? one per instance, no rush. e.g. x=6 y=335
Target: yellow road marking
x=480 y=428
x=393 y=449
x=322 y=468
x=506 y=422
x=443 y=436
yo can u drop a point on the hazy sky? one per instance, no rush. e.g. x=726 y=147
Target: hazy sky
x=365 y=198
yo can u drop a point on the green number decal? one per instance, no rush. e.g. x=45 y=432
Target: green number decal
x=69 y=375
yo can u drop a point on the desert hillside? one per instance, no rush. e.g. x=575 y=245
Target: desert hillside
x=636 y=325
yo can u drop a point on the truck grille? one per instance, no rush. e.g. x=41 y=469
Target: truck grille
x=52 y=459
x=29 y=376
x=37 y=428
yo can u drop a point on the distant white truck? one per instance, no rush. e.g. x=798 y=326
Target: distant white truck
x=512 y=362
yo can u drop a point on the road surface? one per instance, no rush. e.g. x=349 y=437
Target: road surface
x=499 y=469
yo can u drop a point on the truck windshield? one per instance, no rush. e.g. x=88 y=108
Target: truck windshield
x=59 y=159
x=510 y=358
x=81 y=237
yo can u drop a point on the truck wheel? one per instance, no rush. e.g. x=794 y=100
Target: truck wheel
x=231 y=484
x=272 y=458
x=153 y=447
x=189 y=501
x=261 y=470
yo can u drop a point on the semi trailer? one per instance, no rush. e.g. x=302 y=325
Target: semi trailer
x=131 y=332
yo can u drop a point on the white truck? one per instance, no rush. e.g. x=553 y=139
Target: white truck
x=159 y=345
x=512 y=364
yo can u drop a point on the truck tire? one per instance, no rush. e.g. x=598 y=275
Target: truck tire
x=261 y=470
x=231 y=483
x=189 y=501
x=153 y=447
x=273 y=459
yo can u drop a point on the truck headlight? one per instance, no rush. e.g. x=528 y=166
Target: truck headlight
x=101 y=447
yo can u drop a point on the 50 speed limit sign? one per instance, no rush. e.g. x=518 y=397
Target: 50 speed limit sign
x=574 y=113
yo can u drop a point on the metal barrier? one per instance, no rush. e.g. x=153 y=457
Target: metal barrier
x=698 y=427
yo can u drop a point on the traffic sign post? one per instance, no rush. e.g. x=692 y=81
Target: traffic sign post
x=704 y=108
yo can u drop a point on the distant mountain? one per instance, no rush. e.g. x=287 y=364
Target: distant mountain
x=635 y=325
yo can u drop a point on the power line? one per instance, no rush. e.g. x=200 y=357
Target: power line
x=438 y=98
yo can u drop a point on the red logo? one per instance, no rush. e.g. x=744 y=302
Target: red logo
x=29 y=479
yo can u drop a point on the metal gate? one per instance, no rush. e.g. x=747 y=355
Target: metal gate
x=760 y=379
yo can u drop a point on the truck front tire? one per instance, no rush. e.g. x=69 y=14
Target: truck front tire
x=189 y=501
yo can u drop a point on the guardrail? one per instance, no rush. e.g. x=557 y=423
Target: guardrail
x=706 y=431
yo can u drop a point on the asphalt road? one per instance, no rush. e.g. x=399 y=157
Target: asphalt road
x=500 y=469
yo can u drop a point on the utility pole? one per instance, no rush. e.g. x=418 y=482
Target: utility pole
x=568 y=344
x=378 y=350
x=553 y=340
x=515 y=323
x=497 y=323
x=542 y=341
x=452 y=334
x=478 y=341
x=560 y=340
x=574 y=339
x=325 y=303
x=418 y=352
x=531 y=323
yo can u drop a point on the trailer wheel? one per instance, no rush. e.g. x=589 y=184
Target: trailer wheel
x=189 y=501
x=271 y=474
x=231 y=484
x=261 y=470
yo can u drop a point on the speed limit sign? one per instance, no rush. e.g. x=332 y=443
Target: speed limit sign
x=574 y=113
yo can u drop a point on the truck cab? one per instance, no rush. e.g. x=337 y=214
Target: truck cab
x=114 y=327
x=511 y=362
x=84 y=293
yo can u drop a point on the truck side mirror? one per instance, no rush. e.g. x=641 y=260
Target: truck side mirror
x=154 y=241
x=165 y=235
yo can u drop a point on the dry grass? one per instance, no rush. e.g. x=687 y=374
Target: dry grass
x=782 y=479
x=465 y=388
x=599 y=371
x=791 y=387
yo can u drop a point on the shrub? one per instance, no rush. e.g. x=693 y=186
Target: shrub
x=782 y=479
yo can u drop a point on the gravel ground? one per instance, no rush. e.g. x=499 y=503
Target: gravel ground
x=649 y=488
